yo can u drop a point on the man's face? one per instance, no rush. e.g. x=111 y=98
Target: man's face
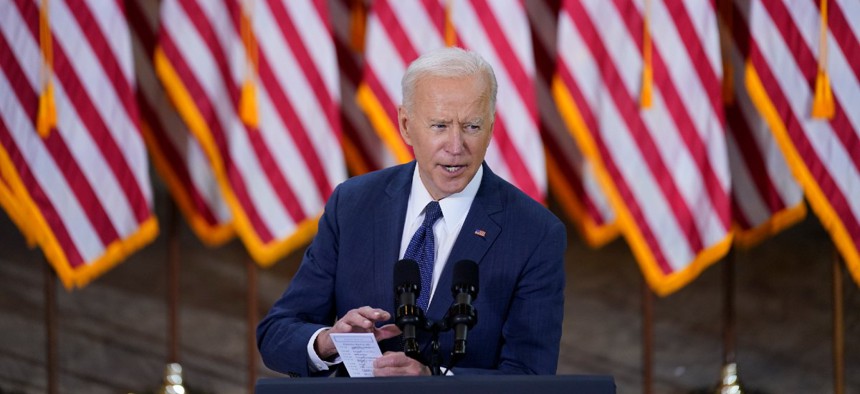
x=449 y=127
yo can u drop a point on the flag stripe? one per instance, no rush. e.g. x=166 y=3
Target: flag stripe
x=752 y=159
x=516 y=125
x=777 y=201
x=297 y=131
x=696 y=53
x=664 y=165
x=842 y=33
x=569 y=175
x=29 y=178
x=635 y=129
x=165 y=146
x=110 y=64
x=624 y=191
x=818 y=142
x=273 y=176
x=683 y=131
x=823 y=154
x=824 y=177
x=86 y=197
x=47 y=209
x=816 y=166
x=575 y=182
x=207 y=109
x=510 y=63
x=57 y=146
x=679 y=105
x=90 y=118
x=95 y=105
x=400 y=38
x=363 y=150
x=198 y=207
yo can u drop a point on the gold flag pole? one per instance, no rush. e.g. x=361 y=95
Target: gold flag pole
x=50 y=283
x=647 y=337
x=252 y=322
x=838 y=326
x=172 y=383
x=729 y=382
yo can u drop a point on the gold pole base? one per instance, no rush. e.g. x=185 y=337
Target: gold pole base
x=172 y=380
x=729 y=382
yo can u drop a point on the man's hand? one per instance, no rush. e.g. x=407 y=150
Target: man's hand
x=398 y=364
x=357 y=320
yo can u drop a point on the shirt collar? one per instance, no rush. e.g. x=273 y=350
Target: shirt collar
x=454 y=207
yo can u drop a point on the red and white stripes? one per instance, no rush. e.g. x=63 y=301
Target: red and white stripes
x=399 y=31
x=765 y=196
x=664 y=168
x=782 y=64
x=177 y=155
x=275 y=177
x=84 y=187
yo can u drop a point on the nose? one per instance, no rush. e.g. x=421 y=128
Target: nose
x=454 y=142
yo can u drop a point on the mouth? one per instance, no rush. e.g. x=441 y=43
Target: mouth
x=453 y=169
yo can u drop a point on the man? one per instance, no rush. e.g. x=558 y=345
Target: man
x=346 y=276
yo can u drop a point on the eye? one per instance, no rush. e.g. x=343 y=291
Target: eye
x=472 y=128
x=438 y=126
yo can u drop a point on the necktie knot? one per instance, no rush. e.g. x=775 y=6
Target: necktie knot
x=432 y=213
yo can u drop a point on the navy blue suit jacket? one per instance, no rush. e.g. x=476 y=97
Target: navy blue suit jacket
x=350 y=264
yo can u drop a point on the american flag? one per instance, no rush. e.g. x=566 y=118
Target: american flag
x=363 y=150
x=660 y=156
x=765 y=196
x=278 y=158
x=399 y=31
x=80 y=188
x=177 y=156
x=792 y=47
x=571 y=178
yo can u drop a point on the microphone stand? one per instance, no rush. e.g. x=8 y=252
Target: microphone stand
x=435 y=363
x=435 y=359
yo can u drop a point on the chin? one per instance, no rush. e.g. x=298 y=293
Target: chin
x=454 y=188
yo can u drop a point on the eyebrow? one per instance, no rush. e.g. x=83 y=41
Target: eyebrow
x=449 y=120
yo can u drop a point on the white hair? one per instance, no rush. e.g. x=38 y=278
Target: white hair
x=448 y=62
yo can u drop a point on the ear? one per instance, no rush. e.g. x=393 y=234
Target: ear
x=403 y=121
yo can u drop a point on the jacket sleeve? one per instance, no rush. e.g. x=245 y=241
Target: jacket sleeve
x=307 y=305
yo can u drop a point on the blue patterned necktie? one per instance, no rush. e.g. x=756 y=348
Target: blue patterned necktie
x=422 y=249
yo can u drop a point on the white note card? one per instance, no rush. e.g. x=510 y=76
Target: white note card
x=357 y=350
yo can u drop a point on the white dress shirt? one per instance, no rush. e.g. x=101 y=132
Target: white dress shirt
x=454 y=210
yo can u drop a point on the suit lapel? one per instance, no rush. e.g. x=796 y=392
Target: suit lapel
x=478 y=233
x=389 y=216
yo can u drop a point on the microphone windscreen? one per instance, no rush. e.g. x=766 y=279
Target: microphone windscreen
x=406 y=273
x=466 y=275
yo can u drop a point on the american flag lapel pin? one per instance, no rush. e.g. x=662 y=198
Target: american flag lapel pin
x=481 y=233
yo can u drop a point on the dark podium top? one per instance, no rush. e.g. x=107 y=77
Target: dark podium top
x=471 y=384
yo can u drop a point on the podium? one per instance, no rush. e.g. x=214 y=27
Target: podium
x=471 y=384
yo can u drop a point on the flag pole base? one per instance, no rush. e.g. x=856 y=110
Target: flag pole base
x=172 y=380
x=729 y=382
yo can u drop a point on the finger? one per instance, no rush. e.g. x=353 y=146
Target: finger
x=373 y=314
x=386 y=331
x=354 y=321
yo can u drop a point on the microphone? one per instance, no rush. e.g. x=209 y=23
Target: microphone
x=462 y=315
x=407 y=287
